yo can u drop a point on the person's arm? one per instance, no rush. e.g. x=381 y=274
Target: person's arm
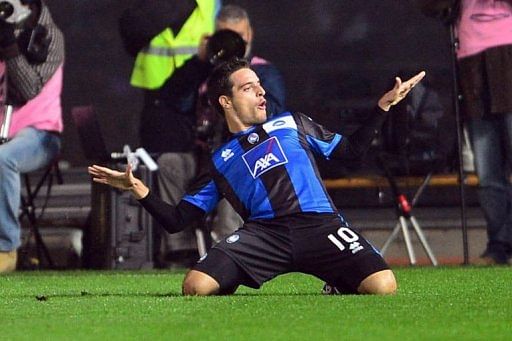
x=332 y=145
x=185 y=82
x=144 y=20
x=180 y=91
x=172 y=218
x=357 y=144
x=28 y=72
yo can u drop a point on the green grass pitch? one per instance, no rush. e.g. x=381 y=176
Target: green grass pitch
x=447 y=303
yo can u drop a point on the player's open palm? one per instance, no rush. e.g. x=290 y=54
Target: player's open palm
x=399 y=91
x=103 y=175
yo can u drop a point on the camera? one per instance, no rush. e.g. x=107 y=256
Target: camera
x=14 y=11
x=224 y=45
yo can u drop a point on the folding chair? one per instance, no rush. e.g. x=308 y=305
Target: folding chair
x=29 y=210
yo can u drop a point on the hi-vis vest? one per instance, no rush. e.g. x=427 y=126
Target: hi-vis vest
x=166 y=52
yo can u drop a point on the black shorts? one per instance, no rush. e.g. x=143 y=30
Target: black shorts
x=319 y=245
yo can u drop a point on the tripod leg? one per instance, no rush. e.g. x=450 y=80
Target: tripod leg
x=423 y=240
x=201 y=243
x=203 y=235
x=407 y=239
x=390 y=239
x=41 y=246
x=29 y=210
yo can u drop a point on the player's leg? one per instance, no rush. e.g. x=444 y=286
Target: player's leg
x=198 y=283
x=215 y=274
x=366 y=273
x=344 y=259
x=249 y=257
x=379 y=283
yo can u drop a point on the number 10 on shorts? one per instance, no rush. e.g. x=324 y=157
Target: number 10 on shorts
x=346 y=236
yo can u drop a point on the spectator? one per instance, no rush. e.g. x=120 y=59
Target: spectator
x=484 y=30
x=31 y=63
x=235 y=18
x=164 y=36
x=169 y=116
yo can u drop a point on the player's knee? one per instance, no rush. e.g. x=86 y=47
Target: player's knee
x=197 y=283
x=386 y=286
x=379 y=283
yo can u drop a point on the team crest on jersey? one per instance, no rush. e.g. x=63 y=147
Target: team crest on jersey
x=253 y=138
x=232 y=239
x=264 y=157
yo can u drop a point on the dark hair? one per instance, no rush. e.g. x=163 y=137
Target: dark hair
x=219 y=83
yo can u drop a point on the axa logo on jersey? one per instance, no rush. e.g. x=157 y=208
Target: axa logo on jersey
x=264 y=157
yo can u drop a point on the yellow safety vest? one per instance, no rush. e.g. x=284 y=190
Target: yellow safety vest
x=166 y=52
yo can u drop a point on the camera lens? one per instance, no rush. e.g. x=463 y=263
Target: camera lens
x=224 y=45
x=6 y=9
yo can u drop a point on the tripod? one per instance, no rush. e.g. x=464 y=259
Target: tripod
x=404 y=213
x=448 y=11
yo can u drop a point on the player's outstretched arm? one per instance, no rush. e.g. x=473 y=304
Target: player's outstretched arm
x=399 y=91
x=121 y=180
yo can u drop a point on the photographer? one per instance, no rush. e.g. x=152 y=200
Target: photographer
x=163 y=35
x=31 y=62
x=234 y=18
x=168 y=119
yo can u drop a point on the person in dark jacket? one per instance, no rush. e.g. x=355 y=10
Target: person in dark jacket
x=164 y=36
x=168 y=120
x=236 y=19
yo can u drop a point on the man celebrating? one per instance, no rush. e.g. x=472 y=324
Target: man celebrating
x=268 y=173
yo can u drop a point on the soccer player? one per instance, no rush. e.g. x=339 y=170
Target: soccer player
x=268 y=173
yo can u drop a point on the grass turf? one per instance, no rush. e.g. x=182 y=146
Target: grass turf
x=432 y=303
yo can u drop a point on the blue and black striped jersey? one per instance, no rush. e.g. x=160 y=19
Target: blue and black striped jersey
x=269 y=170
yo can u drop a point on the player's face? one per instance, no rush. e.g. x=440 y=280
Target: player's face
x=247 y=103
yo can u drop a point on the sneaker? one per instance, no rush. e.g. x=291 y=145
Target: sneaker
x=492 y=258
x=330 y=290
x=8 y=261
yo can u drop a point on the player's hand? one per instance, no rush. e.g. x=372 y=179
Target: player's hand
x=399 y=91
x=121 y=180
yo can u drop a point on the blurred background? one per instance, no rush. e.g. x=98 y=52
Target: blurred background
x=337 y=58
